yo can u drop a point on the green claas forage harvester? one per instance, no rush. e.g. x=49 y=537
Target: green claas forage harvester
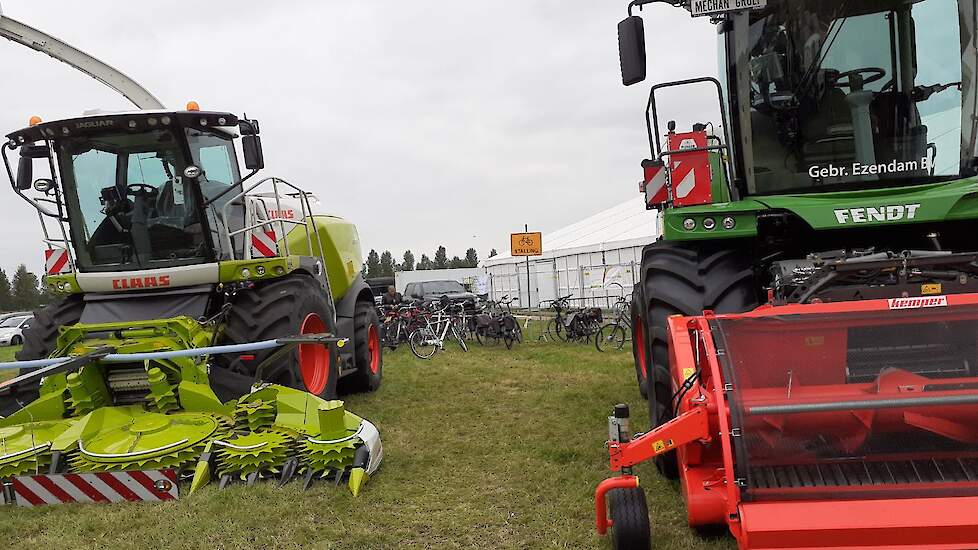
x=205 y=321
x=844 y=164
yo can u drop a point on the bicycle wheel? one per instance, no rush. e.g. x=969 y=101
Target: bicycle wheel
x=424 y=343
x=508 y=339
x=518 y=333
x=555 y=330
x=491 y=337
x=610 y=337
x=461 y=340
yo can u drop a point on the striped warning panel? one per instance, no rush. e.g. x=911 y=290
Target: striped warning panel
x=55 y=261
x=263 y=244
x=133 y=486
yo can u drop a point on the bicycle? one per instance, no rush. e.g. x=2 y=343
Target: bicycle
x=557 y=327
x=570 y=325
x=428 y=339
x=398 y=323
x=497 y=324
x=613 y=335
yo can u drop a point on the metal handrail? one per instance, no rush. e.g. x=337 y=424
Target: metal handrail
x=304 y=205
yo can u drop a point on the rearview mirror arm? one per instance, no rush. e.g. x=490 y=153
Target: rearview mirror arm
x=13 y=183
x=640 y=3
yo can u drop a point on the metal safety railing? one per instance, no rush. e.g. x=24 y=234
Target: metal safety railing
x=306 y=220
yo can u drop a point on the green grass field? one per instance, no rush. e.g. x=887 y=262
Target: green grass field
x=7 y=354
x=489 y=449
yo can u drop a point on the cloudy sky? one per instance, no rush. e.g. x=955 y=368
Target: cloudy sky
x=424 y=122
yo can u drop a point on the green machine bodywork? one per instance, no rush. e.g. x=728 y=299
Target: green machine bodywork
x=920 y=204
x=341 y=248
x=843 y=165
x=834 y=116
x=177 y=343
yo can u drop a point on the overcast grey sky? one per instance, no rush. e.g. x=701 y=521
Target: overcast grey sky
x=424 y=122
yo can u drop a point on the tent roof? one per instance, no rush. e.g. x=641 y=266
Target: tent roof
x=628 y=221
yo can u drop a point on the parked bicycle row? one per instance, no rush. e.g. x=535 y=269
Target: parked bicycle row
x=587 y=324
x=426 y=326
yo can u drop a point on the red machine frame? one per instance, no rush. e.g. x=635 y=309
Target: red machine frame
x=702 y=439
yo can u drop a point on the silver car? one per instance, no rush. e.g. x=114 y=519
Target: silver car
x=12 y=329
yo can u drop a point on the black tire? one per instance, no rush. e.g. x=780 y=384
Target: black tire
x=423 y=343
x=486 y=337
x=630 y=529
x=640 y=344
x=686 y=279
x=556 y=331
x=274 y=309
x=40 y=341
x=610 y=337
x=16 y=340
x=368 y=356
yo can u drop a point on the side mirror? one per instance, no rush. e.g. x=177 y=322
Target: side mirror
x=631 y=50
x=251 y=146
x=25 y=166
x=25 y=173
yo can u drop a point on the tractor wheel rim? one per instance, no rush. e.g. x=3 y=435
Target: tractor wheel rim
x=640 y=345
x=314 y=358
x=373 y=346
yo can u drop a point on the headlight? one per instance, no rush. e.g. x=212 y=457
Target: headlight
x=689 y=224
x=709 y=224
x=729 y=223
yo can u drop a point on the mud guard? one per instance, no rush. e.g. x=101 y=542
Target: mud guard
x=345 y=308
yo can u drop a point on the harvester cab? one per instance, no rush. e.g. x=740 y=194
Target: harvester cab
x=204 y=320
x=802 y=324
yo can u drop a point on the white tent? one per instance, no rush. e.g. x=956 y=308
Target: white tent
x=595 y=259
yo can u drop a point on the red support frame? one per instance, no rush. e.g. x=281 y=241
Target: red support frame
x=703 y=437
x=692 y=425
x=601 y=511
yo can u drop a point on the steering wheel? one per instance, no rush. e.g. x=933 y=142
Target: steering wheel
x=854 y=79
x=140 y=190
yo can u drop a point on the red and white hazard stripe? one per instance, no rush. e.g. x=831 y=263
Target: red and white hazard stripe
x=263 y=244
x=654 y=184
x=56 y=261
x=133 y=486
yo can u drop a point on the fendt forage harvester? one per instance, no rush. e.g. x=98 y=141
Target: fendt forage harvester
x=806 y=326
x=205 y=322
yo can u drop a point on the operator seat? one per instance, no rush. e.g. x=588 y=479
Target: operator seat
x=827 y=130
x=900 y=134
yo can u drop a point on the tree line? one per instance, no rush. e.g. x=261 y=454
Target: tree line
x=384 y=264
x=22 y=292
